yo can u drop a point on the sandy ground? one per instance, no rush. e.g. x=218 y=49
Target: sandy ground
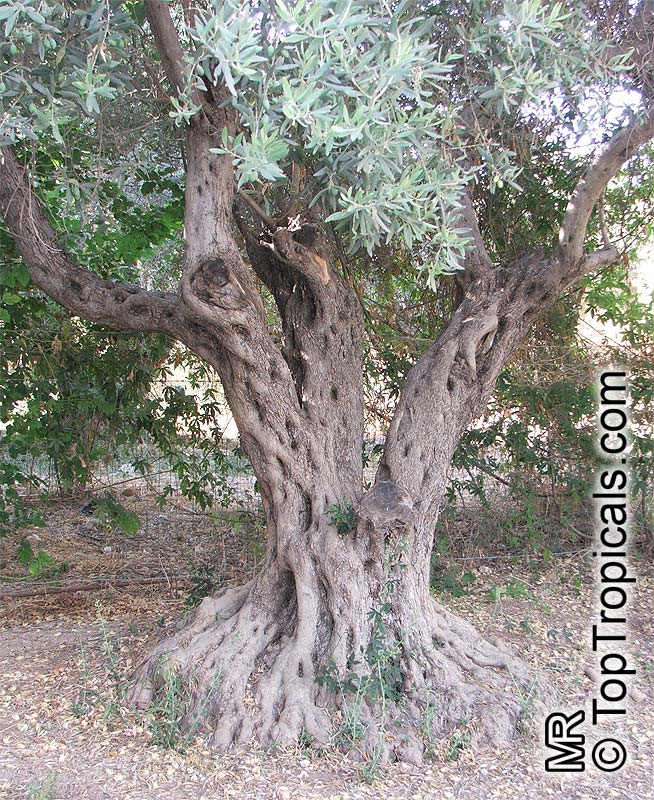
x=65 y=659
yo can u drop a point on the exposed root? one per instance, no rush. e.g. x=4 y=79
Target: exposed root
x=263 y=666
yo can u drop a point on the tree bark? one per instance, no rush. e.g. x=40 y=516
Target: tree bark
x=338 y=635
x=339 y=630
x=338 y=625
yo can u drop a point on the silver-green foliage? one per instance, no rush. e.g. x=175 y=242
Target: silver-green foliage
x=391 y=107
x=385 y=105
x=58 y=60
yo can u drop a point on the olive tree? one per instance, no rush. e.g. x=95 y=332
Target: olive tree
x=315 y=135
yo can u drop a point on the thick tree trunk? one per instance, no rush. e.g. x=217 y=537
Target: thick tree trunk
x=339 y=628
x=338 y=639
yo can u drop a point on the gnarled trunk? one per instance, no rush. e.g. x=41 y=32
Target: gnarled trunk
x=338 y=633
x=338 y=625
x=339 y=628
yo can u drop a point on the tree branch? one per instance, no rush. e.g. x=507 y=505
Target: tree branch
x=478 y=261
x=268 y=221
x=118 y=305
x=622 y=146
x=305 y=249
x=167 y=41
x=606 y=240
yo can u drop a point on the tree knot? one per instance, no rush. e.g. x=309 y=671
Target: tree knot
x=303 y=247
x=216 y=284
x=386 y=505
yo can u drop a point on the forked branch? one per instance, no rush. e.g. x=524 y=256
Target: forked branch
x=570 y=250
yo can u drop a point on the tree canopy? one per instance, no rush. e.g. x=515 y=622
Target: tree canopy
x=383 y=137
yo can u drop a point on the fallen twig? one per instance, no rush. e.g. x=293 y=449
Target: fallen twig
x=108 y=583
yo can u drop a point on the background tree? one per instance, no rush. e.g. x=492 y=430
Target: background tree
x=317 y=136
